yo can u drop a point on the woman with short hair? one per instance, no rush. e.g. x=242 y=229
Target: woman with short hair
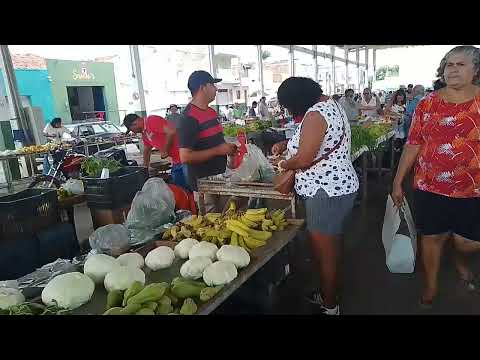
x=444 y=146
x=319 y=152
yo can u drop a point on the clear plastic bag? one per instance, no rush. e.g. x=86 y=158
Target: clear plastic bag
x=156 y=188
x=254 y=167
x=149 y=212
x=112 y=239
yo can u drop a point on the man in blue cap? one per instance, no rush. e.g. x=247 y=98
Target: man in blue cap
x=202 y=145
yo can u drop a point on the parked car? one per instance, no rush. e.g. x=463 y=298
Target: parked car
x=99 y=131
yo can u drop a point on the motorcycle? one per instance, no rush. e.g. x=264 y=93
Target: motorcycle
x=66 y=165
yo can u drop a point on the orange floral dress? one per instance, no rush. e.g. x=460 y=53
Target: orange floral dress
x=449 y=159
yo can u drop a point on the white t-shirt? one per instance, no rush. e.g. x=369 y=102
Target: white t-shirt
x=336 y=174
x=372 y=102
x=57 y=132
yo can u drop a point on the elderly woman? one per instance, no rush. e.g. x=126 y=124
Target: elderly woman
x=444 y=146
x=319 y=151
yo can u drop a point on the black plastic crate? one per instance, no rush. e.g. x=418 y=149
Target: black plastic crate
x=117 y=191
x=26 y=212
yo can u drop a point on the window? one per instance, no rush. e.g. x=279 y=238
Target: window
x=239 y=95
x=276 y=68
x=304 y=65
x=98 y=129
x=110 y=128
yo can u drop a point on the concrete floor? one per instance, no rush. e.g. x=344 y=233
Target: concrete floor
x=368 y=287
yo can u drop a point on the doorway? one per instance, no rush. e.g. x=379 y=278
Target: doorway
x=87 y=103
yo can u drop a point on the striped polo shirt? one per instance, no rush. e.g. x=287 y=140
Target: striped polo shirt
x=197 y=130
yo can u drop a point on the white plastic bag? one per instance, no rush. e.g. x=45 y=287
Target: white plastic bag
x=74 y=186
x=400 y=250
x=156 y=188
x=254 y=167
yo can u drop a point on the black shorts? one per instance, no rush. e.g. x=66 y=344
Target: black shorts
x=437 y=214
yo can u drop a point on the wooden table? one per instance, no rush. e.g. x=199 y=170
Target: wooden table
x=241 y=189
x=259 y=258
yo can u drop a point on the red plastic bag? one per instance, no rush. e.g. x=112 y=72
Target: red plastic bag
x=238 y=158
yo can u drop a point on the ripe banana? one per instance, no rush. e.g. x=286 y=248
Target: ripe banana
x=241 y=242
x=255 y=217
x=236 y=229
x=261 y=211
x=234 y=239
x=247 y=222
x=253 y=243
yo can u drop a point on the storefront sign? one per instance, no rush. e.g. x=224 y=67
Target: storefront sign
x=83 y=74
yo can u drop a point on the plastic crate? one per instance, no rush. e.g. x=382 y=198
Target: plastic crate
x=117 y=191
x=24 y=213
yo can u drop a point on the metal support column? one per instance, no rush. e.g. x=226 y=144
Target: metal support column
x=315 y=62
x=16 y=111
x=366 y=67
x=374 y=65
x=211 y=58
x=137 y=69
x=292 y=61
x=334 y=77
x=260 y=68
x=358 y=69
x=346 y=66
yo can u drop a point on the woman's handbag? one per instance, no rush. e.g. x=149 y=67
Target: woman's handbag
x=285 y=181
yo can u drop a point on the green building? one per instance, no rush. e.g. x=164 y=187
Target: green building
x=83 y=91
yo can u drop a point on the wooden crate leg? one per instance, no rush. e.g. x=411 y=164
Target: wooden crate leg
x=294 y=210
x=201 y=203
x=364 y=175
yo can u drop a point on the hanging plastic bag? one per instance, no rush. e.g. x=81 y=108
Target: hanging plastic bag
x=112 y=239
x=254 y=167
x=400 y=250
x=157 y=189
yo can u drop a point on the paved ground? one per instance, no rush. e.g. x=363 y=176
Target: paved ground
x=369 y=288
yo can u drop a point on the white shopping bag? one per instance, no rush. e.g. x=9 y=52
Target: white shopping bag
x=400 y=250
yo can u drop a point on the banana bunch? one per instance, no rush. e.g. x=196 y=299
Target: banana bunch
x=250 y=229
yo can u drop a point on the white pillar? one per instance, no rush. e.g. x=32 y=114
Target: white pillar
x=211 y=58
x=334 y=79
x=292 y=61
x=260 y=68
x=315 y=62
x=366 y=66
x=374 y=65
x=357 y=53
x=346 y=66
x=137 y=69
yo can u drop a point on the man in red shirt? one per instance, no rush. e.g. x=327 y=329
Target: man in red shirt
x=160 y=134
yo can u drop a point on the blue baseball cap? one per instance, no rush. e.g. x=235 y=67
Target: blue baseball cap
x=199 y=78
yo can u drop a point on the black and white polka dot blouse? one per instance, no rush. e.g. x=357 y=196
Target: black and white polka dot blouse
x=336 y=174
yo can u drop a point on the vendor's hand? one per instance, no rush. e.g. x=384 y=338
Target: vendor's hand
x=279 y=165
x=397 y=194
x=279 y=148
x=228 y=149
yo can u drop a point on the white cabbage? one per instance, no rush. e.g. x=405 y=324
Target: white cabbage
x=193 y=268
x=131 y=259
x=122 y=277
x=68 y=291
x=183 y=247
x=99 y=265
x=235 y=254
x=219 y=273
x=160 y=258
x=10 y=297
x=203 y=248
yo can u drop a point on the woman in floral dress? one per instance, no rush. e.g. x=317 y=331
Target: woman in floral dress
x=444 y=146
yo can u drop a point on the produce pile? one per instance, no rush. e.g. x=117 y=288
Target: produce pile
x=249 y=230
x=28 y=150
x=368 y=136
x=93 y=166
x=233 y=130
